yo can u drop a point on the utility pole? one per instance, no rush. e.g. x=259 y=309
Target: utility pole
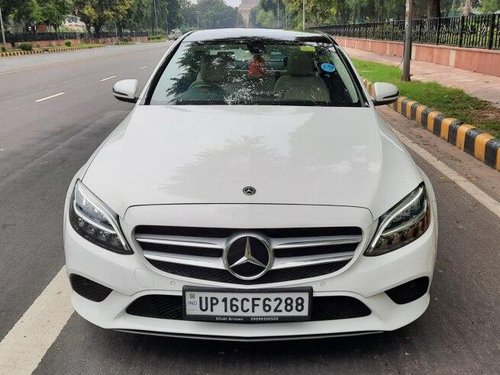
x=407 y=53
x=3 y=31
x=303 y=14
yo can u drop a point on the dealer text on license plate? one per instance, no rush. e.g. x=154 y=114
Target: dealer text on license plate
x=223 y=305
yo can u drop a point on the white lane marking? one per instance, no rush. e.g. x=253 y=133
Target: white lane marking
x=49 y=97
x=22 y=349
x=107 y=78
x=490 y=203
x=143 y=67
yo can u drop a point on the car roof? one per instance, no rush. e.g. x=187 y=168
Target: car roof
x=284 y=35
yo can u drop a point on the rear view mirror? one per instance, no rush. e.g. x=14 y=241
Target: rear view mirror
x=384 y=93
x=126 y=90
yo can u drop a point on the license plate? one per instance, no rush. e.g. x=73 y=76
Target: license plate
x=236 y=306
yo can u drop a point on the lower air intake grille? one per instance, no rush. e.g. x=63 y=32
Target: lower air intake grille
x=272 y=276
x=323 y=308
x=89 y=289
x=410 y=291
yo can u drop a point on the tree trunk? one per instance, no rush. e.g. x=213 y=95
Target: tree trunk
x=467 y=8
x=433 y=9
x=97 y=31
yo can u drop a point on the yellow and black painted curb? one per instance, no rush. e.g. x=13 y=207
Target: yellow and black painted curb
x=468 y=138
x=46 y=50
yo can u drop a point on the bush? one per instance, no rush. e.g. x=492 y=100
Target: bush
x=67 y=43
x=156 y=37
x=25 y=47
x=4 y=49
x=124 y=40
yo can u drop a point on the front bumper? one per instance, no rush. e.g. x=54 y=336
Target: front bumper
x=366 y=279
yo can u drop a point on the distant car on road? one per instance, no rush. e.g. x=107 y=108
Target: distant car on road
x=253 y=193
x=174 y=34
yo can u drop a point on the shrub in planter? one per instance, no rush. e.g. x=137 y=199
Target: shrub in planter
x=124 y=40
x=67 y=43
x=25 y=47
x=156 y=37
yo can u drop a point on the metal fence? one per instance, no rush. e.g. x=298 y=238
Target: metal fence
x=34 y=37
x=478 y=31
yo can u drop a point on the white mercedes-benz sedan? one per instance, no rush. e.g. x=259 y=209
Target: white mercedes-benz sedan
x=253 y=193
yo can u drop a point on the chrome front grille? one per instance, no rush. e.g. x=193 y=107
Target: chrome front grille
x=298 y=252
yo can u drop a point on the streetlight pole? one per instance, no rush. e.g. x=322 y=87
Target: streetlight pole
x=3 y=31
x=407 y=52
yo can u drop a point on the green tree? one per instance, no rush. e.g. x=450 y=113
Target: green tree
x=433 y=8
x=259 y=17
x=143 y=15
x=9 y=7
x=216 y=14
x=28 y=11
x=54 y=12
x=96 y=13
x=490 y=6
x=189 y=15
x=173 y=15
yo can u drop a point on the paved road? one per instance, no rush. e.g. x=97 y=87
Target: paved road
x=43 y=144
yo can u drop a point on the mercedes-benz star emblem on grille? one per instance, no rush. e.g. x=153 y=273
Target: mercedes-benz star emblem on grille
x=249 y=190
x=248 y=256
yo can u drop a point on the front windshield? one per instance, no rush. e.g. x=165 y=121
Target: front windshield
x=256 y=72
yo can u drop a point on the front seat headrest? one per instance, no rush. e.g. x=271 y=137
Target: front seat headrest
x=301 y=64
x=213 y=69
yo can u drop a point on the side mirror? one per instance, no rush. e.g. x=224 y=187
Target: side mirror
x=384 y=93
x=126 y=90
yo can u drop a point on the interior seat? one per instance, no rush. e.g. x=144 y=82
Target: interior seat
x=302 y=83
x=207 y=88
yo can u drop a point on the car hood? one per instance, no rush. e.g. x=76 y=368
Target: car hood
x=290 y=155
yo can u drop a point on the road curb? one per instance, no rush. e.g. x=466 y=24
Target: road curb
x=53 y=50
x=469 y=138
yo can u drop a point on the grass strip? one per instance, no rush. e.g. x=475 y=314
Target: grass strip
x=450 y=101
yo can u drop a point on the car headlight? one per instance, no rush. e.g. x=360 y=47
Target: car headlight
x=94 y=221
x=402 y=224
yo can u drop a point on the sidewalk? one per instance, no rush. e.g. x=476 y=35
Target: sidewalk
x=476 y=84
